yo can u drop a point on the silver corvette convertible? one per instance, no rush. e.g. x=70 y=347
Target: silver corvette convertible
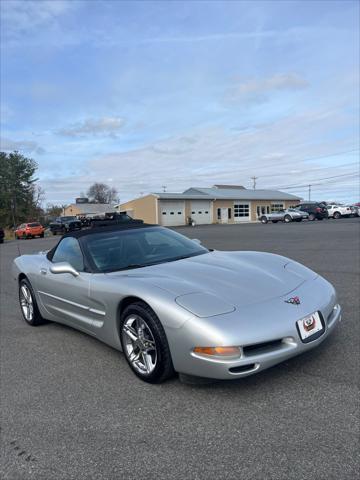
x=172 y=305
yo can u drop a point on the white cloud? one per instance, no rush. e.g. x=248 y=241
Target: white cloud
x=24 y=15
x=106 y=126
x=26 y=146
x=213 y=155
x=258 y=90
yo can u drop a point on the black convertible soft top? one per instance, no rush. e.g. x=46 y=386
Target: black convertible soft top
x=107 y=228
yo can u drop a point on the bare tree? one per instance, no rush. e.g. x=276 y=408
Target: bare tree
x=38 y=196
x=102 y=193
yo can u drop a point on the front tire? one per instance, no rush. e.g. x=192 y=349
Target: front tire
x=287 y=219
x=263 y=220
x=28 y=304
x=337 y=215
x=145 y=344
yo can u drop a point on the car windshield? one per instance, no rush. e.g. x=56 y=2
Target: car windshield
x=34 y=224
x=66 y=219
x=135 y=248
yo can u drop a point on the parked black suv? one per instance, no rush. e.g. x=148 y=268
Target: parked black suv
x=65 y=224
x=2 y=235
x=314 y=209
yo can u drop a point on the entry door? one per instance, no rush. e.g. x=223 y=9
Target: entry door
x=262 y=210
x=224 y=215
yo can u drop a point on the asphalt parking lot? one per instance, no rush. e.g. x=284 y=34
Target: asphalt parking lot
x=72 y=409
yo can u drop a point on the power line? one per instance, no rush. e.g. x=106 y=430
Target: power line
x=325 y=178
x=329 y=182
x=312 y=169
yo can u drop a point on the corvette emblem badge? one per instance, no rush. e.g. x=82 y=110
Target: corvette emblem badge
x=293 y=301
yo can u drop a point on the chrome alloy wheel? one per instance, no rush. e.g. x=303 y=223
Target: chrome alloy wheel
x=26 y=302
x=139 y=344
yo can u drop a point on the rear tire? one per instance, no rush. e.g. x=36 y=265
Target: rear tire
x=263 y=220
x=337 y=215
x=287 y=219
x=28 y=305
x=144 y=343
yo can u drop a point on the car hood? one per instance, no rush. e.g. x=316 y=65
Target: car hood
x=237 y=278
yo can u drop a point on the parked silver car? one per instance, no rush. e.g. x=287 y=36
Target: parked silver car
x=171 y=304
x=287 y=215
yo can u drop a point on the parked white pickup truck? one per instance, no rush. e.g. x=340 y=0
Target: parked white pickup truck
x=338 y=211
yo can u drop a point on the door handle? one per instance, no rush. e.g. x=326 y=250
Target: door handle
x=43 y=271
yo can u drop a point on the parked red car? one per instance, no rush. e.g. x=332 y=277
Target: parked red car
x=29 y=230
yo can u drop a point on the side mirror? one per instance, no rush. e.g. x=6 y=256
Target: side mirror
x=64 y=267
x=196 y=240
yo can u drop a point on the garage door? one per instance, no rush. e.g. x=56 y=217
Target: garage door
x=201 y=211
x=241 y=212
x=172 y=213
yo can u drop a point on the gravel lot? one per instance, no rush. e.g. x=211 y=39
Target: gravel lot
x=72 y=409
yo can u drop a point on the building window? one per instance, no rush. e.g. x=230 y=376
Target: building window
x=164 y=213
x=229 y=212
x=200 y=213
x=192 y=213
x=219 y=213
x=241 y=210
x=179 y=213
x=206 y=212
x=171 y=213
x=277 y=206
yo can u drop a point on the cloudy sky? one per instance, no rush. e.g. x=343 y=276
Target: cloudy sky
x=143 y=94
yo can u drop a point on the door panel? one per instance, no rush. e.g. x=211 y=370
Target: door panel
x=224 y=215
x=66 y=298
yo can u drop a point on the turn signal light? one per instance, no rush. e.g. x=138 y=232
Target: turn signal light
x=218 y=351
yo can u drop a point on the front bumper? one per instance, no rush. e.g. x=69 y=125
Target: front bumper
x=253 y=360
x=259 y=351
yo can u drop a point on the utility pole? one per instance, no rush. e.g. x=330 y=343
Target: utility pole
x=309 y=193
x=254 y=181
x=164 y=188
